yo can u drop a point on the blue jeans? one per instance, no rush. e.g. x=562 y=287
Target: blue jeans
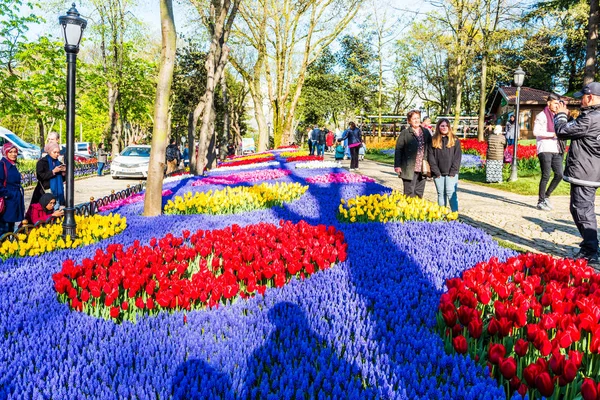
x=100 y=168
x=446 y=187
x=320 y=149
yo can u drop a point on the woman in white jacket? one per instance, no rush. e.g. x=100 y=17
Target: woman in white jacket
x=550 y=151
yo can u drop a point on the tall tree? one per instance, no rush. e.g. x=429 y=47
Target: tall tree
x=153 y=198
x=218 y=19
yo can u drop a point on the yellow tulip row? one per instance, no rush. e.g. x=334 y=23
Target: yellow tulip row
x=48 y=237
x=287 y=154
x=237 y=199
x=384 y=144
x=392 y=207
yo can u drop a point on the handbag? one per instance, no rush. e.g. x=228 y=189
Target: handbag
x=426 y=169
x=2 y=202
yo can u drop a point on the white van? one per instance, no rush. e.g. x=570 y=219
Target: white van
x=27 y=151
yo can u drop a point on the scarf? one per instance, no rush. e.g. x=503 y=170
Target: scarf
x=56 y=183
x=420 y=149
x=549 y=120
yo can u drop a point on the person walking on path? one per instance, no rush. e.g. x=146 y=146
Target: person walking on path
x=410 y=153
x=549 y=150
x=329 y=141
x=583 y=166
x=102 y=158
x=511 y=130
x=321 y=142
x=354 y=137
x=495 y=156
x=11 y=190
x=173 y=157
x=313 y=140
x=444 y=155
x=50 y=173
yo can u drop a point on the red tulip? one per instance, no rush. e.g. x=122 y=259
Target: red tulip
x=544 y=384
x=114 y=312
x=576 y=357
x=589 y=390
x=475 y=328
x=521 y=347
x=530 y=373
x=460 y=344
x=493 y=327
x=522 y=390
x=557 y=362
x=569 y=371
x=496 y=352
x=508 y=367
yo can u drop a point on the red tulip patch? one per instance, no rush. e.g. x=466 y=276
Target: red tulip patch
x=200 y=269
x=533 y=320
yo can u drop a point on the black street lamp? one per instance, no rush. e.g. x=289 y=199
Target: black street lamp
x=518 y=78
x=72 y=29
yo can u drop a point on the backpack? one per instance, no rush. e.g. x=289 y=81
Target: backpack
x=172 y=153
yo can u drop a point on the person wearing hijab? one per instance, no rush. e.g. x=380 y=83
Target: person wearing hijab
x=495 y=156
x=43 y=210
x=50 y=172
x=10 y=189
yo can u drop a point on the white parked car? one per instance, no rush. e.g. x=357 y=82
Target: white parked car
x=131 y=163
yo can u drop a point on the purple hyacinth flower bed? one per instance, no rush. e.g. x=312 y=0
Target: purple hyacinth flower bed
x=363 y=329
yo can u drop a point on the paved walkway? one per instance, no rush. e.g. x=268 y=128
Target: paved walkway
x=506 y=216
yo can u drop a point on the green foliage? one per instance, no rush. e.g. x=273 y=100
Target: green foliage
x=324 y=94
x=355 y=60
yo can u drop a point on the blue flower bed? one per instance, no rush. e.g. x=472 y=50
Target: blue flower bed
x=362 y=329
x=470 y=161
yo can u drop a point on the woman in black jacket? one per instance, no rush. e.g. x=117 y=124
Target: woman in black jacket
x=444 y=155
x=50 y=172
x=11 y=190
x=411 y=152
x=354 y=136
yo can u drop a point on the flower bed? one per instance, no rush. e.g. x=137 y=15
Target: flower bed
x=304 y=158
x=295 y=153
x=235 y=200
x=242 y=167
x=248 y=176
x=532 y=319
x=136 y=198
x=392 y=207
x=206 y=268
x=471 y=161
x=364 y=328
x=339 y=177
x=247 y=161
x=48 y=237
x=318 y=164
x=253 y=156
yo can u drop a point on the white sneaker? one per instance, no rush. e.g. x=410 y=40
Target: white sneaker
x=548 y=204
x=543 y=206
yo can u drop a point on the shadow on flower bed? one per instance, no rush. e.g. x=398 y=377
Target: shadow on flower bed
x=197 y=380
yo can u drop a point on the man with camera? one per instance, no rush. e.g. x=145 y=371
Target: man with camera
x=583 y=166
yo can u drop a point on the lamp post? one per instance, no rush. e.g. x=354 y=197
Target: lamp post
x=519 y=77
x=72 y=28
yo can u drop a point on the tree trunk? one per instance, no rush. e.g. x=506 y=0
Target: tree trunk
x=458 y=98
x=482 y=96
x=42 y=133
x=226 y=105
x=592 y=44
x=153 y=199
x=113 y=94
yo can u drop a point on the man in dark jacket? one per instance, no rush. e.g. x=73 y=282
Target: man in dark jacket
x=313 y=140
x=583 y=166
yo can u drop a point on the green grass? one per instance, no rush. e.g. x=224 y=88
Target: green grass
x=382 y=158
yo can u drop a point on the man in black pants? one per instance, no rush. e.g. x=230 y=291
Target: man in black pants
x=583 y=166
x=550 y=151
